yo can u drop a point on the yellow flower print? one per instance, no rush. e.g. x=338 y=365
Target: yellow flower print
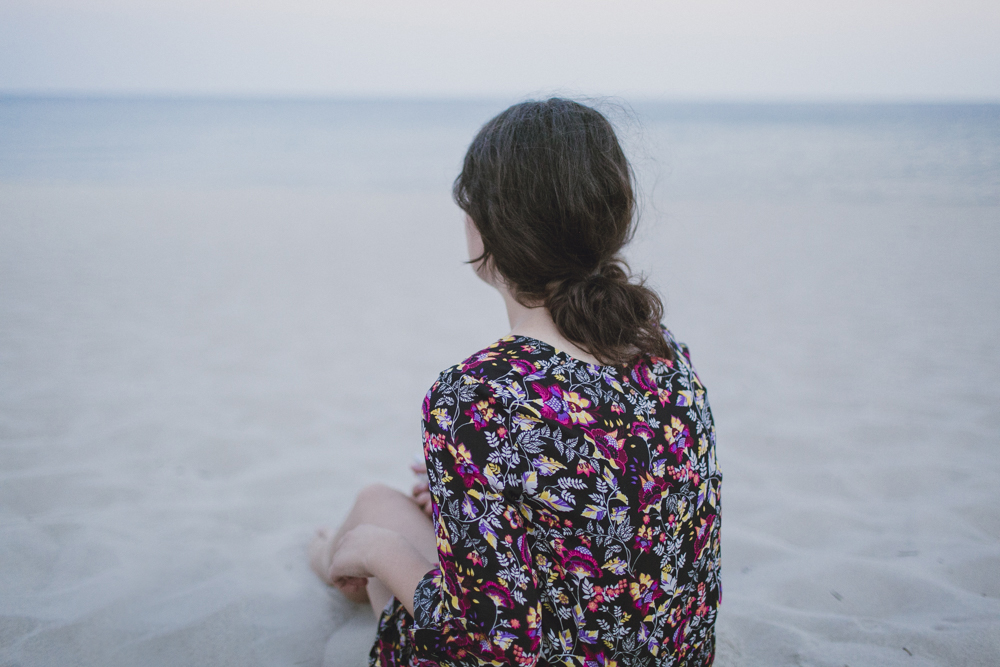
x=577 y=408
x=442 y=417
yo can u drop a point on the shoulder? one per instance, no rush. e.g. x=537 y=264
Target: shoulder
x=682 y=354
x=489 y=373
x=507 y=358
x=677 y=380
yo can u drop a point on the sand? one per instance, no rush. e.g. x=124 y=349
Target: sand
x=192 y=379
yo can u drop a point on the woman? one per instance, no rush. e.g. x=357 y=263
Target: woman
x=571 y=465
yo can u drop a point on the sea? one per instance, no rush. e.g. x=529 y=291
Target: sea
x=218 y=319
x=851 y=153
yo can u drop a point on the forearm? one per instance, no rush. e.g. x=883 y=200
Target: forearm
x=400 y=567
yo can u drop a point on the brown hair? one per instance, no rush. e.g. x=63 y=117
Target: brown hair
x=551 y=192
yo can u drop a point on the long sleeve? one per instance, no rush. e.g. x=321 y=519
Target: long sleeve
x=481 y=604
x=576 y=508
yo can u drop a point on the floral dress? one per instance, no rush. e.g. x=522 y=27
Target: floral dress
x=577 y=515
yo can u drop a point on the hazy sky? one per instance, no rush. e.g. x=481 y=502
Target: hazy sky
x=702 y=49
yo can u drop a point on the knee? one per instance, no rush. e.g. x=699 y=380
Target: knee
x=377 y=494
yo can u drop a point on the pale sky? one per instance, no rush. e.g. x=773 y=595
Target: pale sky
x=697 y=49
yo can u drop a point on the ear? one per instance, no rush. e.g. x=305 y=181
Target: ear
x=487 y=272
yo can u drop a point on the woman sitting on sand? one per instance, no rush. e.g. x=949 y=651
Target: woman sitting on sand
x=574 y=493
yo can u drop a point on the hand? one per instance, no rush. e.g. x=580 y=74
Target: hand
x=320 y=555
x=371 y=551
x=356 y=555
x=422 y=490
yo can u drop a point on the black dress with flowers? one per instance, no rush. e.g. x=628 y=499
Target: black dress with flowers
x=577 y=515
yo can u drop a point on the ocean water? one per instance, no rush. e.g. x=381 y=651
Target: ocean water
x=925 y=154
x=218 y=319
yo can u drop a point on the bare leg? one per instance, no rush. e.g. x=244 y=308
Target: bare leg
x=385 y=507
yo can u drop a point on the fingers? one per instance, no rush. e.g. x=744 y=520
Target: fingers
x=359 y=546
x=320 y=552
x=421 y=490
x=353 y=588
x=350 y=584
x=426 y=504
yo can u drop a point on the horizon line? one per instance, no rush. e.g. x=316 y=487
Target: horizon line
x=762 y=100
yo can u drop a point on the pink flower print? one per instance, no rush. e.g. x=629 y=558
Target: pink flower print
x=513 y=517
x=534 y=622
x=466 y=469
x=594 y=656
x=481 y=413
x=645 y=592
x=661 y=360
x=644 y=538
x=664 y=397
x=680 y=443
x=479 y=359
x=580 y=562
x=426 y=406
x=522 y=367
x=642 y=430
x=566 y=407
x=643 y=376
x=703 y=534
x=684 y=473
x=497 y=593
x=702 y=607
x=608 y=446
x=577 y=408
x=652 y=489
x=522 y=546
x=433 y=442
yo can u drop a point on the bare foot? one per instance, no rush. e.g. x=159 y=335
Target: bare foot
x=320 y=554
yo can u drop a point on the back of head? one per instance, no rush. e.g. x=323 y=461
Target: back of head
x=550 y=190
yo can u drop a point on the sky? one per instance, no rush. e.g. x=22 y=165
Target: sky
x=787 y=50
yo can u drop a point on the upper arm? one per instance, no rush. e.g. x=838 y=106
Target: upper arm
x=488 y=593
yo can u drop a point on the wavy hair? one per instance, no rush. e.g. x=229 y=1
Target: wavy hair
x=551 y=192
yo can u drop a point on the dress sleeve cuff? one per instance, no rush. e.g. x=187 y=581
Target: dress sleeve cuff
x=427 y=599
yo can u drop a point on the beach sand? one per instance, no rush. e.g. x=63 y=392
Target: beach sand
x=192 y=380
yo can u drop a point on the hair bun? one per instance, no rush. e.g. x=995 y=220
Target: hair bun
x=613 y=269
x=616 y=318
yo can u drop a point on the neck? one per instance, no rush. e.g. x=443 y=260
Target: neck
x=536 y=322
